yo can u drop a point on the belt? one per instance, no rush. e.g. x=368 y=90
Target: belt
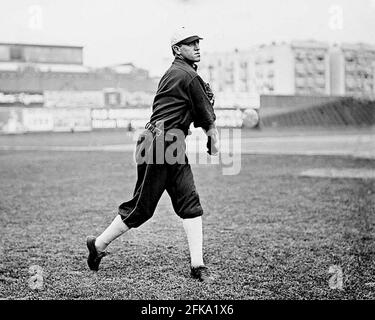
x=154 y=129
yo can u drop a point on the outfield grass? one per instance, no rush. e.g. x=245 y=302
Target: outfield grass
x=268 y=233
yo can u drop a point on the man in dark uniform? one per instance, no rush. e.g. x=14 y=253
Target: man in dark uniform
x=182 y=98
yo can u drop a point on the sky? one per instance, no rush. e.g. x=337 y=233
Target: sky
x=139 y=31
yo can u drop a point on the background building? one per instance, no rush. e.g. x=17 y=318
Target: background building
x=36 y=68
x=303 y=68
x=352 y=70
x=31 y=53
x=232 y=78
x=296 y=68
x=229 y=71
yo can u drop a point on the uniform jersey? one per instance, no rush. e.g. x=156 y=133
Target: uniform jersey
x=181 y=99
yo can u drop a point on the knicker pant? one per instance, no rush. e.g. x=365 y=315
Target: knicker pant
x=152 y=181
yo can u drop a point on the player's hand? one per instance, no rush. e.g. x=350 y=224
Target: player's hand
x=213 y=142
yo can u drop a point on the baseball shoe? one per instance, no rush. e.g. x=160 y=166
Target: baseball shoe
x=94 y=258
x=200 y=273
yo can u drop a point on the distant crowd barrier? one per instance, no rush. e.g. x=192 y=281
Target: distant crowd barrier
x=106 y=98
x=15 y=120
x=20 y=120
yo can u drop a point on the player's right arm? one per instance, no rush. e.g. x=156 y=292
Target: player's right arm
x=203 y=114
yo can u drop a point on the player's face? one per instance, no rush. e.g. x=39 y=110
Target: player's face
x=191 y=51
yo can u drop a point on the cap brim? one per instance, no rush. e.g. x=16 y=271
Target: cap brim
x=190 y=40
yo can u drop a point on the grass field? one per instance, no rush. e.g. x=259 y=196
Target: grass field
x=269 y=233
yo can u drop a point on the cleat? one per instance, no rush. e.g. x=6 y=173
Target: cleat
x=94 y=258
x=200 y=273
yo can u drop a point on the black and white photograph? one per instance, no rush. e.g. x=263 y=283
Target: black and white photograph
x=202 y=152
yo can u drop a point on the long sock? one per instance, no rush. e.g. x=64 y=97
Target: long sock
x=114 y=230
x=193 y=230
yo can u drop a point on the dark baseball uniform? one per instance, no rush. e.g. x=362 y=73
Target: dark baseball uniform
x=180 y=100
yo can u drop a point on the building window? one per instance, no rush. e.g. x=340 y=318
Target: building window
x=270 y=74
x=16 y=53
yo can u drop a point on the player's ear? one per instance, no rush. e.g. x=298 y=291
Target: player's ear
x=176 y=50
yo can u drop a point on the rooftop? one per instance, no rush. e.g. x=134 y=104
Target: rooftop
x=40 y=45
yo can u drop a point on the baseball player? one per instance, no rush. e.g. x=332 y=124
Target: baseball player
x=182 y=98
